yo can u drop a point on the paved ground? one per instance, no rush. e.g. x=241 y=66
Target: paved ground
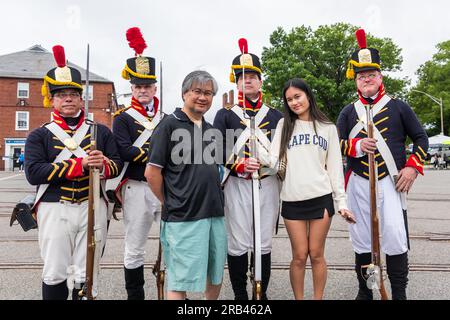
x=429 y=222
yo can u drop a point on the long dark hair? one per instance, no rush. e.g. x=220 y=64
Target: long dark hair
x=289 y=116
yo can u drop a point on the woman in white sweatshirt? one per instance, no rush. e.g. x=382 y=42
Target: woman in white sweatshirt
x=309 y=144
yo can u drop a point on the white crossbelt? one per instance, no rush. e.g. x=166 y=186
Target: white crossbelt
x=245 y=135
x=65 y=154
x=149 y=126
x=382 y=146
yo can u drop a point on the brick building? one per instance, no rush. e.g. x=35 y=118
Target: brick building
x=21 y=102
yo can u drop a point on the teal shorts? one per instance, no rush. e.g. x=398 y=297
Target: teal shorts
x=194 y=252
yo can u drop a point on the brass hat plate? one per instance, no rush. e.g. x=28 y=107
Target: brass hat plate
x=63 y=74
x=364 y=56
x=142 y=65
x=246 y=60
x=70 y=144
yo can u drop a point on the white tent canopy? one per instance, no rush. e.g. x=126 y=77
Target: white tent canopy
x=438 y=139
x=434 y=143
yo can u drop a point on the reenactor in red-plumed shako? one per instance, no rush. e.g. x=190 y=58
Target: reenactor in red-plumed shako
x=132 y=128
x=394 y=121
x=246 y=72
x=57 y=160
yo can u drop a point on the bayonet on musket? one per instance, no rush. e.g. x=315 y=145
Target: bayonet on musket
x=256 y=209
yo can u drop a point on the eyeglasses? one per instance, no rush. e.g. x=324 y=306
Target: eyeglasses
x=370 y=76
x=64 y=95
x=207 y=93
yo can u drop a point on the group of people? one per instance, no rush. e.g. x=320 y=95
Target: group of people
x=206 y=207
x=439 y=161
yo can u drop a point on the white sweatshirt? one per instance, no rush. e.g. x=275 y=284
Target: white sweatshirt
x=314 y=163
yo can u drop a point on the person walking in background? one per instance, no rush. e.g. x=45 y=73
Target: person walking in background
x=21 y=160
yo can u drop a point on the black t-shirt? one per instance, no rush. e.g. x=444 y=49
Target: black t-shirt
x=192 y=188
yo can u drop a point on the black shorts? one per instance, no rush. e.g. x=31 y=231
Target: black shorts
x=308 y=209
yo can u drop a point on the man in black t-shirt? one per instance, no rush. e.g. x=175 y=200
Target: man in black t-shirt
x=183 y=174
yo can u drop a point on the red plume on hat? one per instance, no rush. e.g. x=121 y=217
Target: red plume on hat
x=60 y=56
x=243 y=45
x=135 y=40
x=361 y=38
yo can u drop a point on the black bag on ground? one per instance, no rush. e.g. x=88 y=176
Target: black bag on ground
x=23 y=214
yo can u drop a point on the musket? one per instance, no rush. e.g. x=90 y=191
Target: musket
x=159 y=273
x=375 y=279
x=158 y=270
x=256 y=270
x=93 y=200
x=256 y=209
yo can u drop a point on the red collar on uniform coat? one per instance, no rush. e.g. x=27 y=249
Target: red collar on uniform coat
x=59 y=120
x=135 y=104
x=248 y=105
x=381 y=93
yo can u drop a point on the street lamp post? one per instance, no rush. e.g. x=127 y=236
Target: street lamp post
x=439 y=102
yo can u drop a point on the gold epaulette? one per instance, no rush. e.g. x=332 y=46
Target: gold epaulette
x=120 y=111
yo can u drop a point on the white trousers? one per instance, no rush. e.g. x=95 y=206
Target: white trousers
x=62 y=239
x=140 y=208
x=392 y=225
x=238 y=213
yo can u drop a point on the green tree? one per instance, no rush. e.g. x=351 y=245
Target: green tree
x=433 y=79
x=320 y=57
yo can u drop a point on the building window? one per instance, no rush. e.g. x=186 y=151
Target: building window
x=23 y=90
x=22 y=120
x=91 y=92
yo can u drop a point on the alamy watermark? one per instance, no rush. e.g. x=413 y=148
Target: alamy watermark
x=210 y=146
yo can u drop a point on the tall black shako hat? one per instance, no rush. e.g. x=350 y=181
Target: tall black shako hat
x=139 y=70
x=61 y=77
x=248 y=61
x=364 y=58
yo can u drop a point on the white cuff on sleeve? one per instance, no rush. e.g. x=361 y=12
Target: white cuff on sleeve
x=359 y=152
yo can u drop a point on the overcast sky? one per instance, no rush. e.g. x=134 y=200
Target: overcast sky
x=203 y=34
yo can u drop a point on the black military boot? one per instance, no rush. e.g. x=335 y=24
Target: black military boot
x=265 y=274
x=266 y=262
x=363 y=259
x=397 y=270
x=134 y=283
x=55 y=292
x=237 y=269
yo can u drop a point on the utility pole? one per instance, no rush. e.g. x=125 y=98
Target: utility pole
x=439 y=102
